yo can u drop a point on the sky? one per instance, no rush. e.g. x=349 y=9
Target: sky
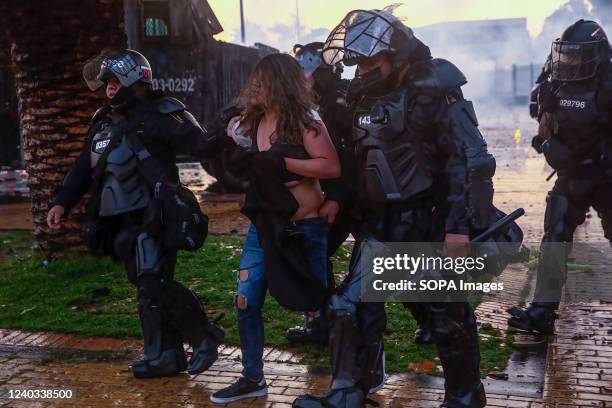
x=273 y=22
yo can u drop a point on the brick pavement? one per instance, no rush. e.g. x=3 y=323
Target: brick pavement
x=101 y=384
x=579 y=367
x=110 y=381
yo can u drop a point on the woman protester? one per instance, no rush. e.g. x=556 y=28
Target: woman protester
x=285 y=247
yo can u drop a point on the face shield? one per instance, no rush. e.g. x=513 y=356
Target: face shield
x=575 y=61
x=361 y=34
x=309 y=60
x=123 y=67
x=91 y=70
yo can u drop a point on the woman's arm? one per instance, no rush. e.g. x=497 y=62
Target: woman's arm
x=324 y=163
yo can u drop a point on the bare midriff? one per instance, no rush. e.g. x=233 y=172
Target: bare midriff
x=308 y=194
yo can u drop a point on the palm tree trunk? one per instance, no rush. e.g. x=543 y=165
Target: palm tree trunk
x=50 y=41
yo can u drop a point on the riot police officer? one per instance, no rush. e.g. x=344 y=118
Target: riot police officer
x=571 y=101
x=109 y=166
x=330 y=89
x=424 y=174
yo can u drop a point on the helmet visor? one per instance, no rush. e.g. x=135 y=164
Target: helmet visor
x=308 y=59
x=123 y=67
x=91 y=70
x=571 y=61
x=361 y=34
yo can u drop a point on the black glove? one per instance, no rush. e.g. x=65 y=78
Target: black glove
x=536 y=143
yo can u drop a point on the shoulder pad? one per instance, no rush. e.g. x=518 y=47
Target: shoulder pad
x=100 y=113
x=436 y=77
x=170 y=105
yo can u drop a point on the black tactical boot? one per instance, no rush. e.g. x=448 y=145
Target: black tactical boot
x=169 y=363
x=315 y=330
x=343 y=398
x=456 y=337
x=163 y=346
x=205 y=353
x=371 y=364
x=420 y=311
x=538 y=317
x=474 y=399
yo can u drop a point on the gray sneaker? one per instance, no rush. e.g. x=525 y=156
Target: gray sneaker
x=243 y=388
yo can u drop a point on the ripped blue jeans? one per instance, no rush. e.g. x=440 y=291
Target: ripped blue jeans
x=252 y=287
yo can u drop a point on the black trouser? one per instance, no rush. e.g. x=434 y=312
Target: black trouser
x=169 y=312
x=453 y=324
x=338 y=233
x=566 y=207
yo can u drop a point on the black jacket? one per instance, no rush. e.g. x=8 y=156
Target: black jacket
x=169 y=129
x=270 y=205
x=442 y=124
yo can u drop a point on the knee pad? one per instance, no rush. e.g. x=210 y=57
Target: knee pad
x=554 y=218
x=360 y=275
x=147 y=255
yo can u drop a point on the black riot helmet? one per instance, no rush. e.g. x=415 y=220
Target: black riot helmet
x=309 y=57
x=364 y=34
x=578 y=54
x=127 y=66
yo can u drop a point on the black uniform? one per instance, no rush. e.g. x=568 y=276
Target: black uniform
x=115 y=224
x=423 y=170
x=572 y=103
x=331 y=92
x=414 y=190
x=425 y=187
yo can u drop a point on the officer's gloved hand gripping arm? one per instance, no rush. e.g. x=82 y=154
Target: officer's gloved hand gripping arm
x=184 y=134
x=470 y=168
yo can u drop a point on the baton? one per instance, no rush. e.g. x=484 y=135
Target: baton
x=499 y=224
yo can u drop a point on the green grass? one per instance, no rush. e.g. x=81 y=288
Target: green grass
x=84 y=295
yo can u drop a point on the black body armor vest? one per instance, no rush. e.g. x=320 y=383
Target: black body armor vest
x=123 y=190
x=575 y=115
x=390 y=149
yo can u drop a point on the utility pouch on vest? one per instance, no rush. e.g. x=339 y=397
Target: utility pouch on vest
x=557 y=155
